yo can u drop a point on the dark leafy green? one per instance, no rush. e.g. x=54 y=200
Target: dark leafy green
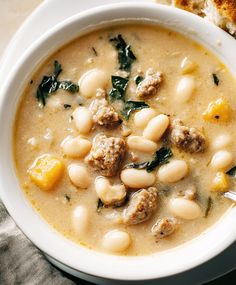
x=125 y=55
x=141 y=165
x=68 y=198
x=94 y=51
x=68 y=86
x=119 y=85
x=50 y=84
x=131 y=106
x=67 y=106
x=232 y=172
x=215 y=79
x=100 y=205
x=57 y=68
x=161 y=157
x=138 y=79
x=208 y=208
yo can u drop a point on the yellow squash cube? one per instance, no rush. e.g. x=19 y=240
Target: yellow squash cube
x=218 y=111
x=46 y=171
x=220 y=182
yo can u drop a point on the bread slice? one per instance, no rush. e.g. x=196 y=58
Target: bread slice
x=222 y=13
x=193 y=6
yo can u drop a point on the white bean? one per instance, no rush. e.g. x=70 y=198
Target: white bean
x=173 y=171
x=184 y=208
x=187 y=65
x=80 y=220
x=221 y=141
x=75 y=147
x=222 y=160
x=142 y=117
x=83 y=120
x=79 y=175
x=185 y=88
x=91 y=81
x=116 y=241
x=137 y=178
x=107 y=193
x=139 y=143
x=156 y=127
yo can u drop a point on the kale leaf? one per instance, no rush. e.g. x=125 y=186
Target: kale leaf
x=161 y=157
x=68 y=86
x=50 y=84
x=119 y=85
x=57 y=68
x=208 y=208
x=131 y=106
x=100 y=205
x=138 y=79
x=215 y=79
x=141 y=165
x=232 y=172
x=67 y=106
x=125 y=55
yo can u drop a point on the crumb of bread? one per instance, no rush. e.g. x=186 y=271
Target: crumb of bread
x=193 y=6
x=222 y=13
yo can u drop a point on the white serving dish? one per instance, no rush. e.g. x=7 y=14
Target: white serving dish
x=80 y=259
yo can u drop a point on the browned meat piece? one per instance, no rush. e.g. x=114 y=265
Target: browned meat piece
x=188 y=139
x=149 y=85
x=141 y=206
x=164 y=227
x=106 y=154
x=104 y=114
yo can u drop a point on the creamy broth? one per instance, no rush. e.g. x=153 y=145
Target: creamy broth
x=41 y=130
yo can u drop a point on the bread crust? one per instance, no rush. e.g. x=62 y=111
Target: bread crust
x=192 y=6
x=226 y=8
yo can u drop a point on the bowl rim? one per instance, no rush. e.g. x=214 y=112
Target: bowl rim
x=145 y=272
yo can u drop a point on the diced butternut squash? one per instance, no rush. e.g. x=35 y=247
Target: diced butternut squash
x=218 y=111
x=46 y=171
x=220 y=182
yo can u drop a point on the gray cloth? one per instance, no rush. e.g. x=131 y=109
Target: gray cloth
x=20 y=261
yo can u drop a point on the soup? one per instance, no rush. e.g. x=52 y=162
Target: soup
x=124 y=139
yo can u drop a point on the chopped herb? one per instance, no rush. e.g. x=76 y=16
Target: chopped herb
x=141 y=165
x=50 y=84
x=31 y=82
x=161 y=157
x=208 y=208
x=68 y=198
x=68 y=86
x=100 y=205
x=67 y=106
x=57 y=68
x=138 y=79
x=232 y=172
x=94 y=51
x=119 y=85
x=131 y=106
x=215 y=79
x=125 y=55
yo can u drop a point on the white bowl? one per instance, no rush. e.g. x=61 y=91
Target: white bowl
x=170 y=262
